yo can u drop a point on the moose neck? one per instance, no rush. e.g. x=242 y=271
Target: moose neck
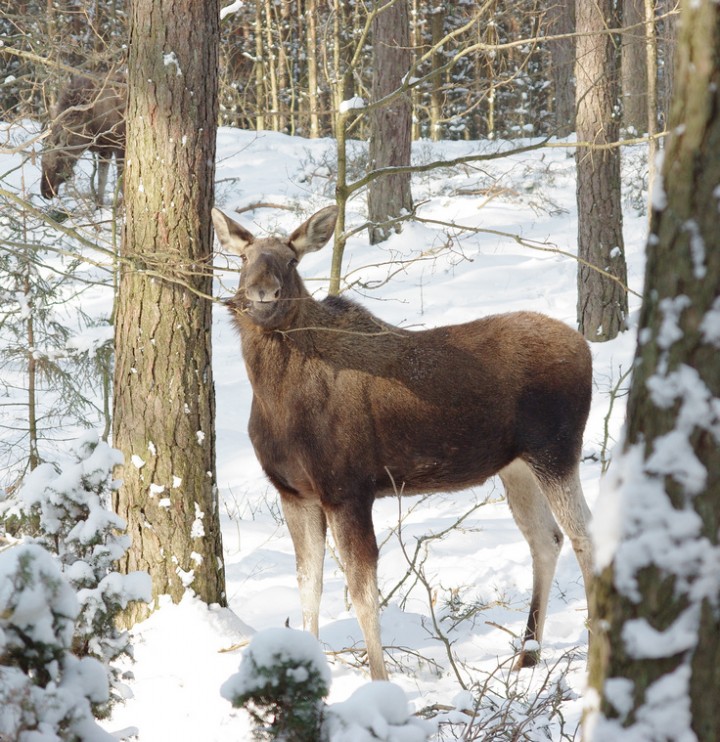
x=335 y=331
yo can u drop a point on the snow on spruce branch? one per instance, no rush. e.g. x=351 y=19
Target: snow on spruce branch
x=66 y=511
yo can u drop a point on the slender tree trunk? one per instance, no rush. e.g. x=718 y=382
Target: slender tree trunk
x=342 y=193
x=342 y=53
x=666 y=50
x=561 y=20
x=602 y=301
x=33 y=452
x=391 y=125
x=437 y=21
x=634 y=66
x=489 y=62
x=260 y=73
x=652 y=93
x=271 y=69
x=285 y=83
x=656 y=651
x=416 y=44
x=312 y=69
x=164 y=397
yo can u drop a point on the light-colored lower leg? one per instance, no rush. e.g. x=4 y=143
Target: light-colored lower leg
x=535 y=520
x=570 y=508
x=307 y=525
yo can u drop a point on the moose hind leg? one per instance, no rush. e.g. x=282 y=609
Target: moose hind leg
x=352 y=528
x=307 y=525
x=535 y=520
x=570 y=508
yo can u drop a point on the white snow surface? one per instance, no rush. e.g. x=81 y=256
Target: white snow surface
x=184 y=653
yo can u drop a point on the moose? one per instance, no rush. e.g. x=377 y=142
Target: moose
x=347 y=408
x=89 y=115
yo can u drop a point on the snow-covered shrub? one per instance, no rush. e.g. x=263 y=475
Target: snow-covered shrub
x=46 y=692
x=70 y=509
x=375 y=712
x=283 y=680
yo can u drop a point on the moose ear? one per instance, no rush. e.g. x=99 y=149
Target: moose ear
x=315 y=232
x=230 y=234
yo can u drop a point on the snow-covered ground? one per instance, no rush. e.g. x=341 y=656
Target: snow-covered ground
x=477 y=577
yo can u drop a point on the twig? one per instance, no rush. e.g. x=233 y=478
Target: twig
x=262 y=205
x=234 y=647
x=532 y=244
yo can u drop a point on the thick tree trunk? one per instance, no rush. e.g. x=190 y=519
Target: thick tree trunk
x=656 y=650
x=602 y=273
x=164 y=398
x=391 y=125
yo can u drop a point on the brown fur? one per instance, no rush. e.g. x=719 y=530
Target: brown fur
x=90 y=115
x=347 y=408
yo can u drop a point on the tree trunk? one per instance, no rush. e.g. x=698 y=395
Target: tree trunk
x=270 y=53
x=391 y=125
x=667 y=43
x=634 y=67
x=164 y=397
x=341 y=75
x=602 y=273
x=311 y=44
x=561 y=20
x=261 y=96
x=651 y=67
x=656 y=639
x=437 y=28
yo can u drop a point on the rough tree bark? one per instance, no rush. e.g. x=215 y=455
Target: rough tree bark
x=391 y=125
x=602 y=296
x=634 y=66
x=164 y=398
x=561 y=20
x=656 y=650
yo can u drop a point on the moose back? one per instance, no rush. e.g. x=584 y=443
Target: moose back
x=347 y=408
x=89 y=115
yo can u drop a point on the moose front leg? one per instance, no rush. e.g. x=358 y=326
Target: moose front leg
x=352 y=528
x=307 y=525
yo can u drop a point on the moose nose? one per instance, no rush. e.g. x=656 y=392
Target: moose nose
x=273 y=295
x=266 y=293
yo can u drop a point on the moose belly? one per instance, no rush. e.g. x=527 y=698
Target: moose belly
x=426 y=447
x=443 y=466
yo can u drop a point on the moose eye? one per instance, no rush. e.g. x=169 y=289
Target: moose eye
x=292 y=262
